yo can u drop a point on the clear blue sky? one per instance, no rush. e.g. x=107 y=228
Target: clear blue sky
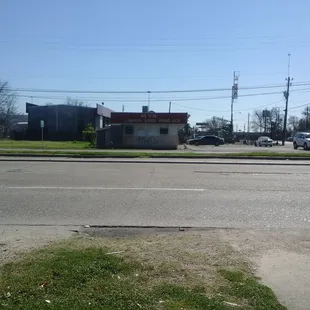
x=156 y=45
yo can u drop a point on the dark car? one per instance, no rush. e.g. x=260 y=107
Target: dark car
x=289 y=139
x=207 y=140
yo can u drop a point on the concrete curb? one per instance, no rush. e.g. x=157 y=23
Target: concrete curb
x=77 y=156
x=137 y=161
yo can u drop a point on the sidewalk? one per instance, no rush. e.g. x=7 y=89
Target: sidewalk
x=207 y=161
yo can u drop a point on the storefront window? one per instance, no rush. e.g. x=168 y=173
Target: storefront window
x=163 y=131
x=129 y=130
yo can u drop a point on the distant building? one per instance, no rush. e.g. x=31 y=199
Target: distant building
x=64 y=122
x=144 y=130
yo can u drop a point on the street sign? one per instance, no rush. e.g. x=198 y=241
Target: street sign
x=148 y=118
x=42 y=126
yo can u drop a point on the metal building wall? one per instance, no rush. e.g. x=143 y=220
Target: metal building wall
x=61 y=122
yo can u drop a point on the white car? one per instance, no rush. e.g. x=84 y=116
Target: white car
x=264 y=141
x=302 y=139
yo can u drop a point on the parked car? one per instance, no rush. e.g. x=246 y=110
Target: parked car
x=290 y=139
x=264 y=141
x=207 y=140
x=302 y=139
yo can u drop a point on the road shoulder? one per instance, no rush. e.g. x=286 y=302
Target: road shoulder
x=278 y=257
x=281 y=258
x=158 y=269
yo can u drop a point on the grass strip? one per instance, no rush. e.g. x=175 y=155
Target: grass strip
x=82 y=275
x=24 y=144
x=150 y=154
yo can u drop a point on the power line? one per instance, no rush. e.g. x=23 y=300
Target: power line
x=132 y=39
x=148 y=77
x=162 y=100
x=37 y=90
x=224 y=111
x=299 y=106
x=159 y=47
x=180 y=99
x=299 y=90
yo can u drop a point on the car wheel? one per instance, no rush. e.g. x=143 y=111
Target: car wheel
x=216 y=143
x=196 y=143
x=259 y=144
x=295 y=146
x=255 y=144
x=305 y=146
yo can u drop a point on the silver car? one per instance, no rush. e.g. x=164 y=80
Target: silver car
x=302 y=139
x=264 y=141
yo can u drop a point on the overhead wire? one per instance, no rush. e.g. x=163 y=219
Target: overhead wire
x=190 y=46
x=223 y=111
x=172 y=99
x=299 y=106
x=163 y=99
x=37 y=90
x=166 y=99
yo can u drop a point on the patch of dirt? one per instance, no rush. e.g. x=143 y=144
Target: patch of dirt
x=280 y=257
x=18 y=239
x=186 y=257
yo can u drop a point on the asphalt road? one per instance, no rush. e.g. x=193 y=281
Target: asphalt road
x=240 y=148
x=213 y=195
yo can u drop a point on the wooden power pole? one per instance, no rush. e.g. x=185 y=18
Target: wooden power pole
x=286 y=96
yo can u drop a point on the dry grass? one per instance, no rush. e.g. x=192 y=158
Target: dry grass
x=176 y=258
x=190 y=271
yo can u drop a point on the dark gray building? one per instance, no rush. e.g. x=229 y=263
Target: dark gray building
x=64 y=122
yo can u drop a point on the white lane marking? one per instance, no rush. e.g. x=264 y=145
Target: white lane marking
x=109 y=188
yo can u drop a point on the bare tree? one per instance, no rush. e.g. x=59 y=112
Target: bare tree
x=267 y=120
x=75 y=102
x=293 y=123
x=306 y=111
x=257 y=120
x=8 y=107
x=214 y=125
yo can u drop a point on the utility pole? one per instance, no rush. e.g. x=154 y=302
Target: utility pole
x=248 y=122
x=148 y=99
x=277 y=124
x=234 y=95
x=307 y=119
x=170 y=107
x=286 y=96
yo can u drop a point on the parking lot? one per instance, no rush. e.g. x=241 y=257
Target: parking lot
x=240 y=148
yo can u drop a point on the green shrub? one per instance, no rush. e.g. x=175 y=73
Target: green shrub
x=89 y=134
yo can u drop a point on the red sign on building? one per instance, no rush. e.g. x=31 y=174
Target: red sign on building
x=148 y=118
